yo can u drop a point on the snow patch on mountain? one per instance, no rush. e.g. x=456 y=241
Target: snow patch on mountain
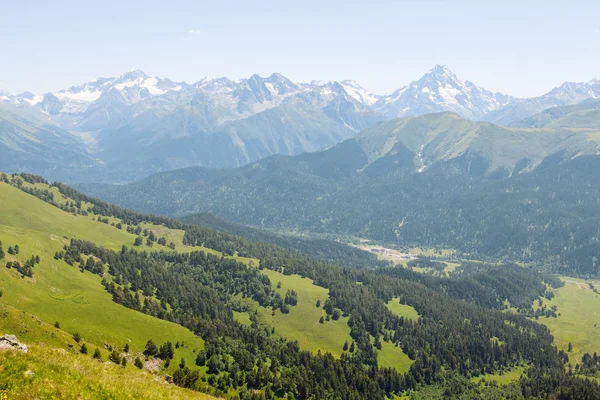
x=359 y=93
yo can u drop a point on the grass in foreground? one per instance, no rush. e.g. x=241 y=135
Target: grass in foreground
x=47 y=373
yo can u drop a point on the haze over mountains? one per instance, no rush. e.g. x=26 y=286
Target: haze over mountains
x=125 y=128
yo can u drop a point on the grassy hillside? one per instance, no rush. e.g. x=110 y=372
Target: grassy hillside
x=60 y=292
x=49 y=373
x=51 y=369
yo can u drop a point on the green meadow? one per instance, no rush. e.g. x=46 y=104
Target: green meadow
x=402 y=310
x=53 y=367
x=391 y=356
x=578 y=322
x=502 y=378
x=302 y=322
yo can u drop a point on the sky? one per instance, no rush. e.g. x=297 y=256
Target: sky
x=523 y=48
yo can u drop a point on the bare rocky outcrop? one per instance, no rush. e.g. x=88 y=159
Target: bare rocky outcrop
x=10 y=342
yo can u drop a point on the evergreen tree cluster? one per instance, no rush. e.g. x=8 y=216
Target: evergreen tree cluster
x=25 y=269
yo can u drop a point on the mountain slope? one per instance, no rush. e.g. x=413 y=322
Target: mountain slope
x=30 y=142
x=192 y=134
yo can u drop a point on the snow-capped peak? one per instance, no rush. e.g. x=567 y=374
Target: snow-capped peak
x=441 y=90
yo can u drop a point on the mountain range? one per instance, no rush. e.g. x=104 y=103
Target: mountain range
x=125 y=128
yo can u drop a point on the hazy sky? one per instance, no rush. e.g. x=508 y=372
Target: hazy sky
x=522 y=48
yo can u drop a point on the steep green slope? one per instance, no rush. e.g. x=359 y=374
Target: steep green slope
x=55 y=373
x=55 y=368
x=77 y=300
x=58 y=291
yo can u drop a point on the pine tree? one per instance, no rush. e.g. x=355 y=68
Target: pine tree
x=124 y=362
x=201 y=358
x=150 y=349
x=97 y=355
x=1 y=251
x=16 y=249
x=138 y=363
x=84 y=349
x=345 y=346
x=115 y=357
x=166 y=351
x=126 y=348
x=352 y=347
x=318 y=303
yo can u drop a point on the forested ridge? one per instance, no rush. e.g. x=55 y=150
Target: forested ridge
x=547 y=215
x=329 y=251
x=461 y=329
